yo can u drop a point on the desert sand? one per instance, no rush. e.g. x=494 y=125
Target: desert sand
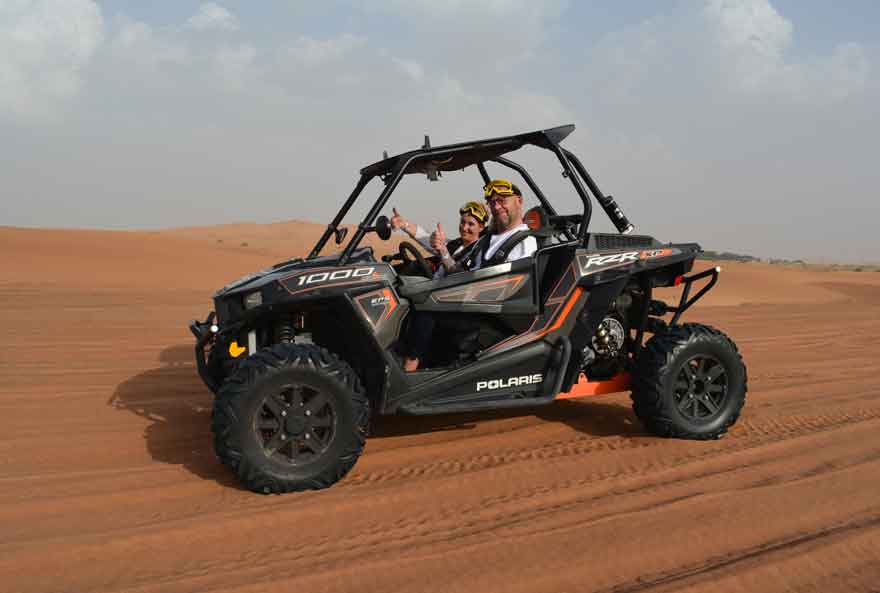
x=108 y=480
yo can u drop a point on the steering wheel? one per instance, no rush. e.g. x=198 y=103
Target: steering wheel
x=407 y=249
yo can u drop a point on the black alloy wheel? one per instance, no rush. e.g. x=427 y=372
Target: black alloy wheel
x=701 y=388
x=296 y=425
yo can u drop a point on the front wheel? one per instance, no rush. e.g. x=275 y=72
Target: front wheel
x=690 y=382
x=291 y=417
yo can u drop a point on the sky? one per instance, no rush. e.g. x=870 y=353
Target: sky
x=748 y=126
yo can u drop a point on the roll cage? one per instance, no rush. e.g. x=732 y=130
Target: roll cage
x=454 y=157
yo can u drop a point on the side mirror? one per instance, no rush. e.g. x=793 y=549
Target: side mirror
x=340 y=235
x=383 y=228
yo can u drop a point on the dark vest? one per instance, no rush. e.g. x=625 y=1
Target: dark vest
x=481 y=246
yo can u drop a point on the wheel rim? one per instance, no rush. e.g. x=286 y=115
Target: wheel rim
x=296 y=424
x=701 y=387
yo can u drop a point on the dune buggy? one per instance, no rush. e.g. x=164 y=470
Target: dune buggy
x=301 y=354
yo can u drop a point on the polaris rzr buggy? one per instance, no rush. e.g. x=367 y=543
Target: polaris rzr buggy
x=300 y=355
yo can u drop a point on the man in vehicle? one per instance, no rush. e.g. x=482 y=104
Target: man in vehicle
x=507 y=240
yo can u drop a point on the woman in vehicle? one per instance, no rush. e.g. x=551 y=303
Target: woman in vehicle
x=472 y=222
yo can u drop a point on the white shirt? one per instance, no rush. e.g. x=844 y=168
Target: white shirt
x=524 y=248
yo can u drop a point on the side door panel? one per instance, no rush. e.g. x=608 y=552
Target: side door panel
x=505 y=288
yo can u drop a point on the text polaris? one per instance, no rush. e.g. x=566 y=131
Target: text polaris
x=510 y=382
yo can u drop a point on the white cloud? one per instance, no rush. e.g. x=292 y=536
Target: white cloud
x=753 y=39
x=213 y=17
x=730 y=50
x=235 y=65
x=846 y=71
x=755 y=43
x=44 y=47
x=707 y=106
x=535 y=110
x=465 y=9
x=134 y=43
x=750 y=27
x=411 y=68
x=470 y=38
x=742 y=119
x=313 y=52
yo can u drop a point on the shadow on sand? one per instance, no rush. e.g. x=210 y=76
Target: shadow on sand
x=178 y=405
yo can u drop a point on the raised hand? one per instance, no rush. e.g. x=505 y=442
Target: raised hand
x=397 y=221
x=438 y=240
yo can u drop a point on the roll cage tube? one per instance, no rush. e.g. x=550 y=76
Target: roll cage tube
x=545 y=203
x=573 y=169
x=585 y=198
x=529 y=181
x=331 y=228
x=607 y=202
x=483 y=173
x=390 y=185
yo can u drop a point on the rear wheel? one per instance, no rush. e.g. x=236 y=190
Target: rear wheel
x=291 y=417
x=690 y=382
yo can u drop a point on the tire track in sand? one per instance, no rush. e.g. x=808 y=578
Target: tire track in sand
x=419 y=536
x=417 y=532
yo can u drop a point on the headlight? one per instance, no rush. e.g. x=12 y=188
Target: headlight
x=254 y=299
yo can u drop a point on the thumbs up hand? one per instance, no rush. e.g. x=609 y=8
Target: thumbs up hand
x=438 y=241
x=397 y=221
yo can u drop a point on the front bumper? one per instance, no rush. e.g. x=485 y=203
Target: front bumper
x=204 y=331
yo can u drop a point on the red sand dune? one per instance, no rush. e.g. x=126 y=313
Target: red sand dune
x=108 y=481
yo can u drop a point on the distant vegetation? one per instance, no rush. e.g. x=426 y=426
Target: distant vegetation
x=726 y=256
x=738 y=257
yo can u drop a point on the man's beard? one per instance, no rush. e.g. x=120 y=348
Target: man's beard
x=498 y=225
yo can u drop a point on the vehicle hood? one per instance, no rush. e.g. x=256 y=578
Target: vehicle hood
x=280 y=270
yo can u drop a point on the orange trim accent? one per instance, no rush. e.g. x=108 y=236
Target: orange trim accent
x=561 y=278
x=469 y=292
x=578 y=291
x=392 y=303
x=652 y=253
x=585 y=388
x=530 y=336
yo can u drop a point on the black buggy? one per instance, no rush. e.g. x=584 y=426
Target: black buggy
x=301 y=354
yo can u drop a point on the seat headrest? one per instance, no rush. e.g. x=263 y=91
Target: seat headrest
x=537 y=220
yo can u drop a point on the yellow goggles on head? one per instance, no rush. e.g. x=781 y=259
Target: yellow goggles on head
x=476 y=210
x=502 y=187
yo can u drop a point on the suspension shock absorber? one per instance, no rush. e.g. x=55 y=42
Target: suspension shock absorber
x=284 y=331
